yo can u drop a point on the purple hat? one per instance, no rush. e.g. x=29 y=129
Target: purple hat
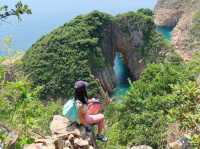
x=80 y=84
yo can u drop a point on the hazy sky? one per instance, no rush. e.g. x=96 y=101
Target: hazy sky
x=49 y=14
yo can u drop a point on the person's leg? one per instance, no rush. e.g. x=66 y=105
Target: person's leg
x=96 y=119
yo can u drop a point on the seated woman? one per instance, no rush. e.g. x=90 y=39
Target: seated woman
x=86 y=116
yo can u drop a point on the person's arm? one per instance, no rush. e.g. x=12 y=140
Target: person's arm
x=82 y=108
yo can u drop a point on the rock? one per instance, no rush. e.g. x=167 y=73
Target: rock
x=71 y=137
x=90 y=147
x=64 y=137
x=175 y=145
x=59 y=143
x=59 y=125
x=81 y=143
x=43 y=141
x=33 y=146
x=141 y=147
x=179 y=14
x=182 y=143
x=168 y=12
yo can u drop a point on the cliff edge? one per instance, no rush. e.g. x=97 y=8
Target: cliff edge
x=183 y=16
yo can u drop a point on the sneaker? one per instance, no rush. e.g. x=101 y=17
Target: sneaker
x=101 y=138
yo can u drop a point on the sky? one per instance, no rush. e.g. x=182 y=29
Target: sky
x=50 y=14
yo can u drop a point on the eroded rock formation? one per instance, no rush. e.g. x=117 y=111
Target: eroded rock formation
x=115 y=40
x=178 y=14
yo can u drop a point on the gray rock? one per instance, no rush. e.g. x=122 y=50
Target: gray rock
x=141 y=147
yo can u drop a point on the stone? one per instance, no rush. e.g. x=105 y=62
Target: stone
x=33 y=146
x=141 y=147
x=178 y=14
x=63 y=138
x=175 y=145
x=182 y=143
x=59 y=124
x=59 y=143
x=71 y=136
x=80 y=142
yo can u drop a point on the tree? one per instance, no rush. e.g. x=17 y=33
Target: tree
x=19 y=10
x=145 y=11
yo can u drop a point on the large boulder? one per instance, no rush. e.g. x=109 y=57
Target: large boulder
x=64 y=136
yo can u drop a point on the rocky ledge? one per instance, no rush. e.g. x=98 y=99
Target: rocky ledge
x=64 y=137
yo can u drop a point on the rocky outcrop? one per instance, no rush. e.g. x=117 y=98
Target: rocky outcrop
x=179 y=15
x=168 y=12
x=8 y=137
x=127 y=46
x=115 y=40
x=64 y=137
x=107 y=78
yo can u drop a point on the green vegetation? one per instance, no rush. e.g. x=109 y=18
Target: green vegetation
x=19 y=10
x=153 y=47
x=135 y=21
x=145 y=11
x=166 y=93
x=67 y=54
x=21 y=109
x=193 y=42
x=74 y=51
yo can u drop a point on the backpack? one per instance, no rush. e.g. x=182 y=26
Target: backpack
x=70 y=111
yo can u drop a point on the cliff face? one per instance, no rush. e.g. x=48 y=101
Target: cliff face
x=168 y=12
x=127 y=45
x=180 y=15
x=115 y=40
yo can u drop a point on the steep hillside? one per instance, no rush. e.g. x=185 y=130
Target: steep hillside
x=183 y=16
x=87 y=45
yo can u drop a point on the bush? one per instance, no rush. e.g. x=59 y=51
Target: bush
x=165 y=93
x=21 y=110
x=67 y=54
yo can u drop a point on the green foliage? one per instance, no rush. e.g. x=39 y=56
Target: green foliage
x=19 y=10
x=133 y=21
x=193 y=42
x=145 y=11
x=21 y=110
x=165 y=93
x=74 y=51
x=154 y=48
x=67 y=54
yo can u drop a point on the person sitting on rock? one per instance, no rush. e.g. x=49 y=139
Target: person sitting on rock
x=86 y=117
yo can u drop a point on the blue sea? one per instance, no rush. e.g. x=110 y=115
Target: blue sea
x=50 y=14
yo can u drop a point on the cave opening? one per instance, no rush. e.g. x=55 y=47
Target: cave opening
x=122 y=76
x=166 y=32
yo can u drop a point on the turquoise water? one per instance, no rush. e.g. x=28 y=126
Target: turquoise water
x=121 y=71
x=122 y=76
x=165 y=31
